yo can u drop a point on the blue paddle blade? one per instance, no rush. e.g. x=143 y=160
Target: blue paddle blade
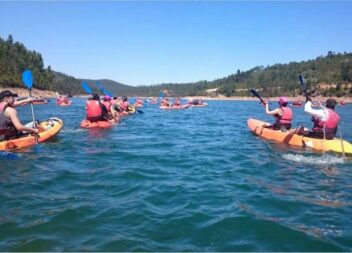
x=86 y=88
x=161 y=94
x=27 y=79
x=303 y=83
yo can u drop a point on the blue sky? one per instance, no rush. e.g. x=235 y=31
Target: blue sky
x=183 y=41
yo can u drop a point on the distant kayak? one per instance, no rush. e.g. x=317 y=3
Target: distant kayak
x=174 y=107
x=97 y=124
x=65 y=104
x=294 y=139
x=297 y=103
x=200 y=105
x=40 y=102
x=52 y=127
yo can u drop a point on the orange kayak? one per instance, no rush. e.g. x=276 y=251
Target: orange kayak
x=174 y=107
x=295 y=139
x=52 y=127
x=97 y=124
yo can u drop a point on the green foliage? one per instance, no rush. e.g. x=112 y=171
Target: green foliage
x=14 y=58
x=278 y=79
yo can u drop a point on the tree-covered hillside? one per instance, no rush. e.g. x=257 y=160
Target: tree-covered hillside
x=326 y=75
x=14 y=58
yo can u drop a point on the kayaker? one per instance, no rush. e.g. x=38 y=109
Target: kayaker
x=10 y=124
x=325 y=119
x=124 y=105
x=283 y=115
x=139 y=101
x=165 y=102
x=95 y=110
x=177 y=102
x=195 y=102
x=107 y=102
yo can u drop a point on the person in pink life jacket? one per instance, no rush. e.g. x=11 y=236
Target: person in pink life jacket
x=177 y=102
x=283 y=115
x=139 y=101
x=10 y=124
x=325 y=119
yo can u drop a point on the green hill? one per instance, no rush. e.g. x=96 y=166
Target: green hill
x=326 y=75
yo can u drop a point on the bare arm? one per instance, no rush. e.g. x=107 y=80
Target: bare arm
x=12 y=114
x=273 y=112
x=22 y=102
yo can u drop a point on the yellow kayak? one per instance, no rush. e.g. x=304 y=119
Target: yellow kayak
x=295 y=139
x=52 y=127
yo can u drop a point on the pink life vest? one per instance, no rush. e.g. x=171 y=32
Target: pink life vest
x=107 y=105
x=330 y=124
x=124 y=105
x=93 y=108
x=286 y=116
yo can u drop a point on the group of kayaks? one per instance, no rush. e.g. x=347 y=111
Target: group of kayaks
x=107 y=123
x=52 y=127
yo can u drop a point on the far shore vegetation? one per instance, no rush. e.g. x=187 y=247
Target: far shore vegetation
x=329 y=75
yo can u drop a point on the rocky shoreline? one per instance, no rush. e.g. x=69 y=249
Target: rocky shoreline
x=35 y=92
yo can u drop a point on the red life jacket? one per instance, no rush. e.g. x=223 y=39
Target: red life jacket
x=139 y=102
x=107 y=105
x=93 y=108
x=124 y=105
x=330 y=124
x=286 y=116
x=113 y=102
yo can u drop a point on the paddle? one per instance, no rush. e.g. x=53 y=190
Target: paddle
x=303 y=86
x=255 y=93
x=86 y=88
x=27 y=79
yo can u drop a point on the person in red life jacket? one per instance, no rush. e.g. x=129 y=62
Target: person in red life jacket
x=177 y=102
x=325 y=119
x=165 y=102
x=283 y=115
x=10 y=125
x=65 y=100
x=154 y=101
x=124 y=105
x=190 y=101
x=95 y=110
x=139 y=101
x=59 y=100
x=107 y=103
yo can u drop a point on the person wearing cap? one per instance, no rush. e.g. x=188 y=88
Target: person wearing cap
x=283 y=115
x=10 y=124
x=325 y=119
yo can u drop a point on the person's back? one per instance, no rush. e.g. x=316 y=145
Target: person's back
x=283 y=115
x=94 y=109
x=325 y=119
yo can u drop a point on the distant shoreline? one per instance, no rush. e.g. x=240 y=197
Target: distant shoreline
x=52 y=94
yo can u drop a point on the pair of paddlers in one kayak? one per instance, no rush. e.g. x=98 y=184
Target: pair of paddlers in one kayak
x=325 y=118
